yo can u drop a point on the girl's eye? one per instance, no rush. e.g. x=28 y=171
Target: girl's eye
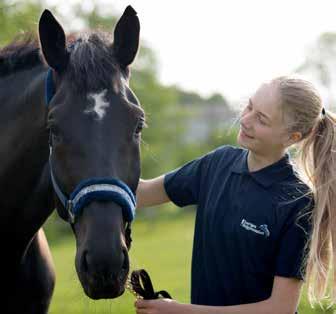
x=261 y=121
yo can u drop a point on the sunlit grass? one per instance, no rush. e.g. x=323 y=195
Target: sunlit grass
x=160 y=245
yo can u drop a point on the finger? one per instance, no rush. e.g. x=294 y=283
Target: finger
x=141 y=304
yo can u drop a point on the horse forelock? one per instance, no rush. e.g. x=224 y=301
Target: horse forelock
x=92 y=66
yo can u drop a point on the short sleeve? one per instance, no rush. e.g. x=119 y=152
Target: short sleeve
x=294 y=240
x=182 y=185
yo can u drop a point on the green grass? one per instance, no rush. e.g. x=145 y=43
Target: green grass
x=160 y=245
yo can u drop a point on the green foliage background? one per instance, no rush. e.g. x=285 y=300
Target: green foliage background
x=163 y=237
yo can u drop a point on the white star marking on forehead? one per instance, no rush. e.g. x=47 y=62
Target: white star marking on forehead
x=99 y=106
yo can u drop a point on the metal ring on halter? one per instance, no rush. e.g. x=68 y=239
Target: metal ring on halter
x=71 y=215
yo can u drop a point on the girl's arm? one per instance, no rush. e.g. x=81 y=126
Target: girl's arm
x=284 y=300
x=151 y=192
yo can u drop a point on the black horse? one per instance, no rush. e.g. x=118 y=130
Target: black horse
x=69 y=139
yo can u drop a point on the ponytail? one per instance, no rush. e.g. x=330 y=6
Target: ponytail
x=317 y=157
x=316 y=160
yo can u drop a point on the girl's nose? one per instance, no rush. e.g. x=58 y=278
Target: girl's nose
x=246 y=120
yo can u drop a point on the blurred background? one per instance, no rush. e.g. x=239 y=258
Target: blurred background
x=198 y=63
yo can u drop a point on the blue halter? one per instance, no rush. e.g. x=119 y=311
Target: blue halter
x=93 y=189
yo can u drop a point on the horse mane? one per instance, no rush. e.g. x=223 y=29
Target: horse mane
x=21 y=54
x=91 y=58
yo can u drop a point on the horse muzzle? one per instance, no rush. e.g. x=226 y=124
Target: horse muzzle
x=103 y=275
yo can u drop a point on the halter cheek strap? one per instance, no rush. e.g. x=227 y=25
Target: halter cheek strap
x=90 y=190
x=49 y=87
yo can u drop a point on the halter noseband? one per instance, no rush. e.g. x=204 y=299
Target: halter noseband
x=93 y=189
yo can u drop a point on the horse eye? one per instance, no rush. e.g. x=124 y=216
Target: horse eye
x=55 y=134
x=139 y=127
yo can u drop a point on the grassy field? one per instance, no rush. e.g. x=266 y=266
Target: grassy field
x=160 y=245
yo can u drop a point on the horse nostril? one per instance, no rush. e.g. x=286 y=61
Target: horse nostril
x=125 y=265
x=85 y=262
x=109 y=267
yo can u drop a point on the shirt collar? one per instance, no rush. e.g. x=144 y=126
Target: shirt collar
x=268 y=175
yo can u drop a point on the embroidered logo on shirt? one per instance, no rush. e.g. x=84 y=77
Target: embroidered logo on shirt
x=262 y=229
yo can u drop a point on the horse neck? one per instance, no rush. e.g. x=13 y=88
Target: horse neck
x=22 y=116
x=23 y=150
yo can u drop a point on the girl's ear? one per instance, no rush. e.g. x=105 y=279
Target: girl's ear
x=295 y=137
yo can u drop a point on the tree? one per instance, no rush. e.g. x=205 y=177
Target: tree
x=16 y=18
x=320 y=63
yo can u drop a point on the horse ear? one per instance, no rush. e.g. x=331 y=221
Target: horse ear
x=53 y=43
x=126 y=37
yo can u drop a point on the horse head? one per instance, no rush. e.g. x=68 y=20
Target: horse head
x=95 y=123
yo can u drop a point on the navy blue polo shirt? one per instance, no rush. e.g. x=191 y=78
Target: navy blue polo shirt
x=250 y=226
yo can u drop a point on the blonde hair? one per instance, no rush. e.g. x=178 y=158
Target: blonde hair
x=303 y=112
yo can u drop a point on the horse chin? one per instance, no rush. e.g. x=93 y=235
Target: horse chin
x=97 y=294
x=104 y=287
x=96 y=289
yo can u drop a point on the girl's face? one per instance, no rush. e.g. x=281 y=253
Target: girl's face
x=262 y=128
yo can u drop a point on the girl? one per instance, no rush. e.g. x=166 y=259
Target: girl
x=262 y=226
